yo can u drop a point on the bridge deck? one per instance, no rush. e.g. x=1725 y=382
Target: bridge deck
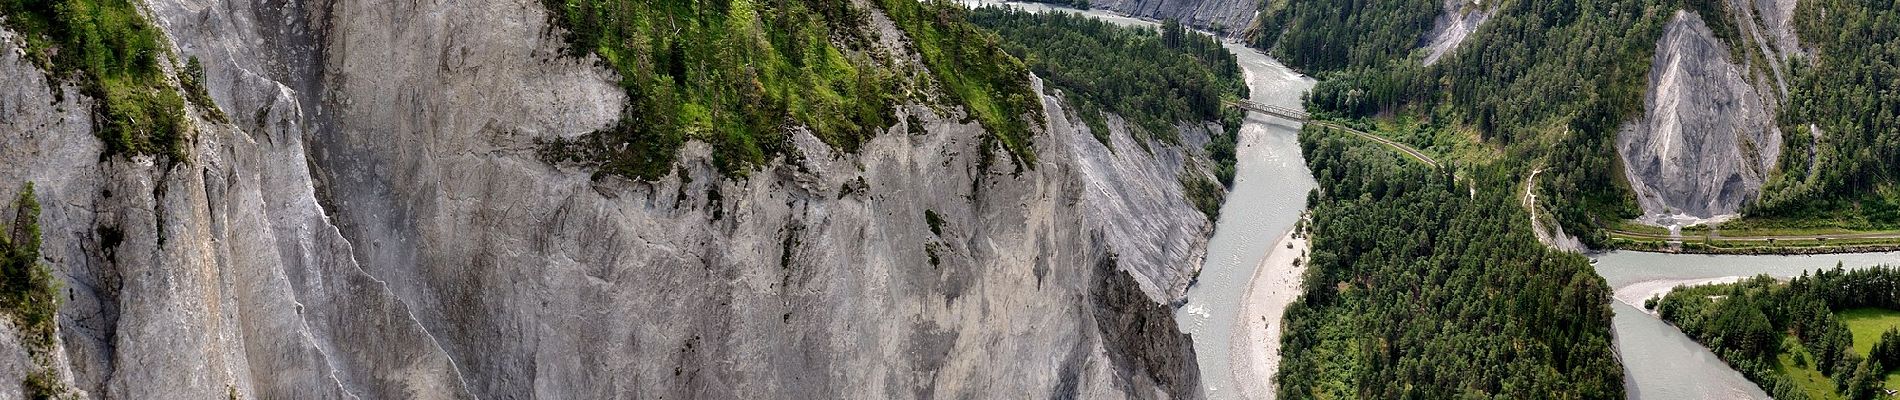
x=1277 y=111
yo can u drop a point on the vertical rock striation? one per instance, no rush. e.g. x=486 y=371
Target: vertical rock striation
x=373 y=222
x=1707 y=139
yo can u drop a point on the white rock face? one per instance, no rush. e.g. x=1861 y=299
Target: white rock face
x=1777 y=24
x=373 y=223
x=1229 y=16
x=1707 y=138
x=1460 y=19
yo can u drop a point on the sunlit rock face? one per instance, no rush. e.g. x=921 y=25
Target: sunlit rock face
x=371 y=221
x=1707 y=138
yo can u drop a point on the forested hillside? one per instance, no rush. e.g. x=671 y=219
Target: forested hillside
x=733 y=73
x=1549 y=83
x=1417 y=289
x=1851 y=94
x=1156 y=79
x=1542 y=82
x=1801 y=339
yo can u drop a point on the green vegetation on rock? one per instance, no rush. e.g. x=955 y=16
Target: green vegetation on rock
x=1203 y=193
x=192 y=78
x=1416 y=288
x=972 y=65
x=112 y=53
x=28 y=290
x=1156 y=79
x=739 y=74
x=730 y=73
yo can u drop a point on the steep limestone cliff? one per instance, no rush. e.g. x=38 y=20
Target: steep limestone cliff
x=373 y=222
x=1228 y=17
x=1459 y=19
x=1708 y=137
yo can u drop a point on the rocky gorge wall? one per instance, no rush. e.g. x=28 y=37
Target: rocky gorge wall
x=1707 y=139
x=1228 y=17
x=373 y=222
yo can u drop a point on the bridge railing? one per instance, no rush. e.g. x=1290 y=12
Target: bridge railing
x=1278 y=111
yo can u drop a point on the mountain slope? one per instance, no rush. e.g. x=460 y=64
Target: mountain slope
x=374 y=217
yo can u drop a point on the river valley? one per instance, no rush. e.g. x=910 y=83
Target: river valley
x=1269 y=193
x=1268 y=196
x=1662 y=363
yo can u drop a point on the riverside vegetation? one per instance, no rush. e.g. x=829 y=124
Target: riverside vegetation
x=1830 y=335
x=737 y=73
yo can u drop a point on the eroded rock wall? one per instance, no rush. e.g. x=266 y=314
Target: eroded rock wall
x=1707 y=137
x=372 y=222
x=1229 y=17
x=1459 y=19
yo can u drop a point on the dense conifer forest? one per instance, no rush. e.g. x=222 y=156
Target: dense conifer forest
x=735 y=73
x=1851 y=94
x=1418 y=288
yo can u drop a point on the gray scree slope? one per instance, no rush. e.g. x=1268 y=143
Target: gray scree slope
x=1707 y=138
x=372 y=223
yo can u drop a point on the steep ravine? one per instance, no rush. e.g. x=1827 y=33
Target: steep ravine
x=1707 y=139
x=373 y=223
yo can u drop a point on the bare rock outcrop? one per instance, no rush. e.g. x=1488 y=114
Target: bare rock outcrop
x=1707 y=138
x=1228 y=17
x=1459 y=20
x=372 y=222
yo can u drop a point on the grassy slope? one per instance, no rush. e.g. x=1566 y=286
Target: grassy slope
x=1803 y=374
x=1866 y=323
